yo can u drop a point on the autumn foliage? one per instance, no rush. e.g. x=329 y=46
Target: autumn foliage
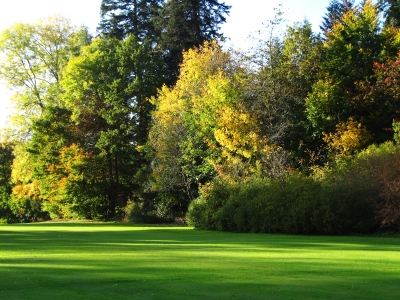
x=300 y=134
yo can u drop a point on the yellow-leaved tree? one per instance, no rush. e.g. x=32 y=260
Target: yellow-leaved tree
x=202 y=128
x=349 y=137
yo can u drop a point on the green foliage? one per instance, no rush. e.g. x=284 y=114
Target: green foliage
x=295 y=205
x=32 y=61
x=225 y=134
x=203 y=212
x=136 y=214
x=6 y=159
x=334 y=14
x=203 y=128
x=6 y=213
x=396 y=131
x=285 y=68
x=27 y=210
x=352 y=196
x=187 y=24
x=384 y=162
x=119 y=18
x=106 y=89
x=351 y=83
x=391 y=10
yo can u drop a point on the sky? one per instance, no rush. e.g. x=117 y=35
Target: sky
x=246 y=17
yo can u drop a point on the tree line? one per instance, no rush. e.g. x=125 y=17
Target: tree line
x=153 y=120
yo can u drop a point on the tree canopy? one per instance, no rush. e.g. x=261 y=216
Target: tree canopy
x=119 y=18
x=155 y=118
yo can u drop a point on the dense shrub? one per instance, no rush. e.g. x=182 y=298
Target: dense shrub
x=372 y=179
x=203 y=212
x=134 y=213
x=27 y=210
x=388 y=180
x=350 y=196
x=292 y=205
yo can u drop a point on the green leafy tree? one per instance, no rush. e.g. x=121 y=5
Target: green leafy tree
x=352 y=49
x=203 y=129
x=32 y=61
x=284 y=67
x=107 y=89
x=26 y=201
x=52 y=135
x=34 y=56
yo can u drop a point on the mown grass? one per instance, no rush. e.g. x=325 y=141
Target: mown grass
x=118 y=261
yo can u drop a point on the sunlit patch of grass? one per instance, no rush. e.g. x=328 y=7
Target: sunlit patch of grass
x=119 y=261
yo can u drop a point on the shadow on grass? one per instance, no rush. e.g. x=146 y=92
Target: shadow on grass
x=144 y=279
x=128 y=235
x=103 y=261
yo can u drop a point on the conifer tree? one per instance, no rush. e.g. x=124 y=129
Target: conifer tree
x=122 y=17
x=185 y=24
x=335 y=12
x=391 y=10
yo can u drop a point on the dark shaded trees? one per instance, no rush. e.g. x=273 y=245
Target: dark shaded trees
x=185 y=24
x=118 y=18
x=172 y=26
x=391 y=10
x=334 y=14
x=6 y=158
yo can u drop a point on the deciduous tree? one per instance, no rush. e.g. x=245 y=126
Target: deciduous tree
x=34 y=56
x=203 y=128
x=352 y=49
x=106 y=89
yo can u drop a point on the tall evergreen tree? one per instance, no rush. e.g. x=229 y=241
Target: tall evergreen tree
x=188 y=23
x=335 y=12
x=122 y=17
x=391 y=10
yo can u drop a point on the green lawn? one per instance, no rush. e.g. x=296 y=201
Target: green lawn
x=118 y=261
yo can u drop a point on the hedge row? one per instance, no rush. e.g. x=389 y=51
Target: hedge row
x=349 y=197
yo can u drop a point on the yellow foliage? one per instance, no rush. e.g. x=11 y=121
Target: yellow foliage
x=22 y=175
x=235 y=132
x=204 y=107
x=22 y=165
x=67 y=172
x=27 y=190
x=199 y=64
x=349 y=137
x=350 y=19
